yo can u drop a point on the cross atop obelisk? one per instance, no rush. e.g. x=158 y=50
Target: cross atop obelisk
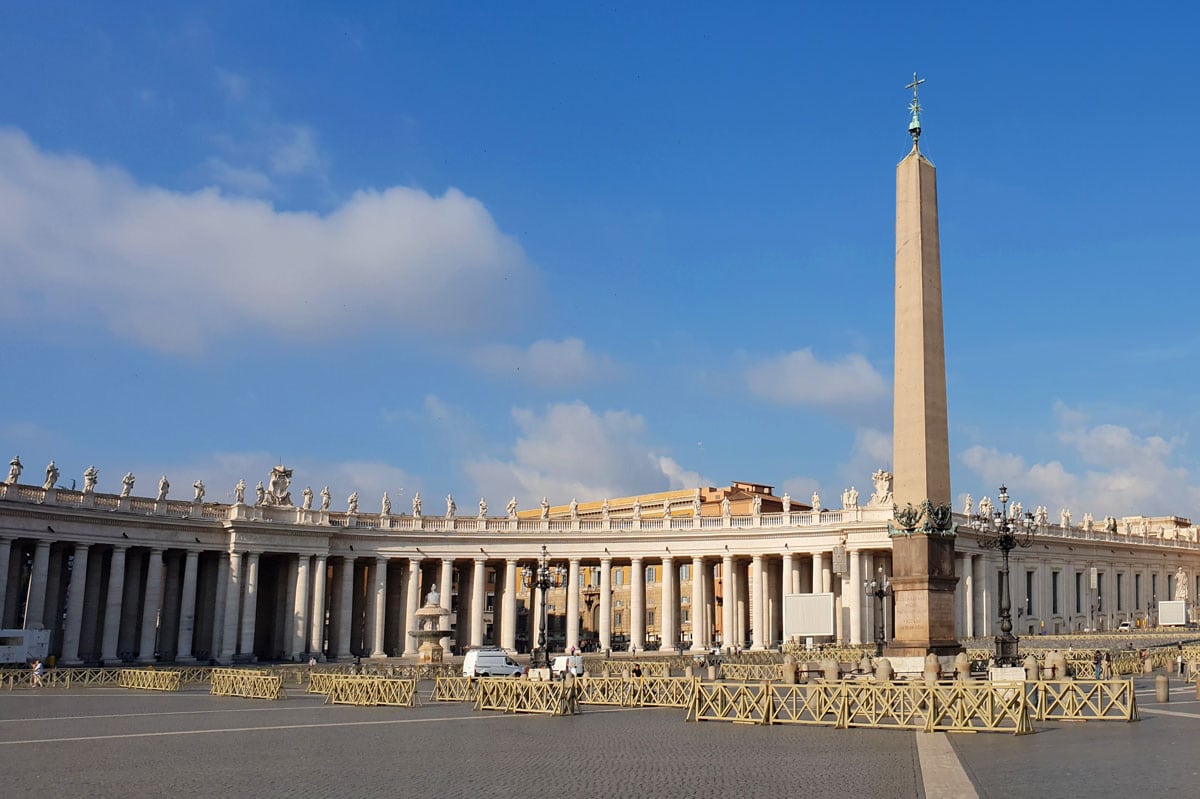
x=922 y=538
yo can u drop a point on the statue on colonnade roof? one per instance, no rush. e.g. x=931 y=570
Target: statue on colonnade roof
x=308 y=495
x=127 y=484
x=90 y=475
x=14 y=470
x=51 y=476
x=281 y=482
x=882 y=498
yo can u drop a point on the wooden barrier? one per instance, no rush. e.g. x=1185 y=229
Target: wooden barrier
x=1087 y=700
x=345 y=689
x=149 y=679
x=528 y=696
x=247 y=683
x=457 y=689
x=750 y=672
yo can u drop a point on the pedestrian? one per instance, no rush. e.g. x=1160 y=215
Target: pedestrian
x=1179 y=662
x=38 y=671
x=637 y=670
x=1098 y=663
x=1108 y=673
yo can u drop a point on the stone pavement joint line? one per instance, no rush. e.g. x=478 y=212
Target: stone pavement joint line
x=941 y=771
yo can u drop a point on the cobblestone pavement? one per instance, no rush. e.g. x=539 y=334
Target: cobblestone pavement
x=108 y=742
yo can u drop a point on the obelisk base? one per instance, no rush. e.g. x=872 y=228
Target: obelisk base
x=923 y=584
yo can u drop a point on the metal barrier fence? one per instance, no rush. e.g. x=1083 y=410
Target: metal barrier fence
x=843 y=653
x=247 y=683
x=346 y=689
x=650 y=668
x=528 y=696
x=750 y=672
x=149 y=679
x=636 y=691
x=1088 y=700
x=456 y=689
x=957 y=706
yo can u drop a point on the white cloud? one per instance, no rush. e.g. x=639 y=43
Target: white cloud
x=545 y=362
x=872 y=450
x=294 y=152
x=800 y=378
x=242 y=180
x=573 y=451
x=173 y=271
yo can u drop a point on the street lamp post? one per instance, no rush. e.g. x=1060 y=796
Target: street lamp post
x=542 y=578
x=879 y=588
x=1005 y=534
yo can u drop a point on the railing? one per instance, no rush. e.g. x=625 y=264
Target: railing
x=528 y=696
x=149 y=679
x=455 y=689
x=347 y=689
x=248 y=683
x=750 y=672
x=1089 y=700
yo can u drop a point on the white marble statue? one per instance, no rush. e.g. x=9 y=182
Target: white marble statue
x=852 y=496
x=967 y=505
x=482 y=508
x=573 y=508
x=545 y=508
x=637 y=507
x=14 y=470
x=756 y=505
x=986 y=508
x=326 y=498
x=697 y=507
x=816 y=501
x=260 y=494
x=1181 y=585
x=605 y=509
x=433 y=597
x=1089 y=523
x=451 y=508
x=51 y=476
x=281 y=482
x=511 y=508
x=1064 y=518
x=882 y=498
x=239 y=492
x=307 y=495
x=385 y=508
x=1041 y=516
x=1017 y=510
x=127 y=484
x=90 y=475
x=416 y=505
x=726 y=509
x=164 y=488
x=352 y=503
x=787 y=502
x=198 y=487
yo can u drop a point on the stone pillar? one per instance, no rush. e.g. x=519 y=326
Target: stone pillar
x=112 y=605
x=378 y=605
x=75 y=597
x=299 y=631
x=699 y=608
x=249 y=603
x=187 y=609
x=35 y=605
x=412 y=603
x=855 y=589
x=787 y=575
x=220 y=592
x=728 y=602
x=637 y=604
x=150 y=606
x=346 y=610
x=986 y=607
x=478 y=600
x=669 y=606
x=758 y=617
x=963 y=595
x=5 y=553
x=508 y=607
x=233 y=609
x=317 y=615
x=605 y=625
x=572 y=604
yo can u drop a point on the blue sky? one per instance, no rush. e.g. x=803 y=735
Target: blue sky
x=566 y=250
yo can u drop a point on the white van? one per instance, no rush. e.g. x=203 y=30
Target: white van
x=490 y=663
x=566 y=664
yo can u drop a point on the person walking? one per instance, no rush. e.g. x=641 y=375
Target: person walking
x=38 y=671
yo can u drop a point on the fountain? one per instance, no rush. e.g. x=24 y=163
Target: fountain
x=429 y=630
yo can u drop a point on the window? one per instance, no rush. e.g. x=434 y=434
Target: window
x=618 y=577
x=683 y=600
x=1137 y=592
x=1120 y=591
x=685 y=571
x=617 y=619
x=649 y=618
x=1154 y=587
x=1054 y=592
x=1029 y=593
x=685 y=616
x=1079 y=592
x=618 y=604
x=650 y=572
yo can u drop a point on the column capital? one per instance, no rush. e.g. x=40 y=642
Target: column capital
x=576 y=560
x=480 y=559
x=413 y=560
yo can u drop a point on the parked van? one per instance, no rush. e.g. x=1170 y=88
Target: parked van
x=566 y=664
x=490 y=663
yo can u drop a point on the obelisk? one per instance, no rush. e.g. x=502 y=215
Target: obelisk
x=922 y=537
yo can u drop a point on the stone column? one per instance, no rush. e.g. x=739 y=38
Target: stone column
x=70 y=652
x=447 y=584
x=346 y=609
x=979 y=578
x=699 y=609
x=728 y=601
x=233 y=609
x=412 y=603
x=668 y=636
x=786 y=579
x=299 y=632
x=826 y=574
x=317 y=616
x=572 y=604
x=35 y=605
x=220 y=590
x=150 y=606
x=508 y=607
x=758 y=621
x=249 y=603
x=605 y=625
x=478 y=600
x=855 y=589
x=187 y=609
x=637 y=605
x=5 y=553
x=962 y=593
x=378 y=605
x=112 y=605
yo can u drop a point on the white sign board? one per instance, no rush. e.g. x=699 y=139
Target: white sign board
x=1172 y=612
x=807 y=615
x=22 y=646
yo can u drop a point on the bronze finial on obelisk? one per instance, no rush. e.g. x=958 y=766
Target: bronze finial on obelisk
x=922 y=537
